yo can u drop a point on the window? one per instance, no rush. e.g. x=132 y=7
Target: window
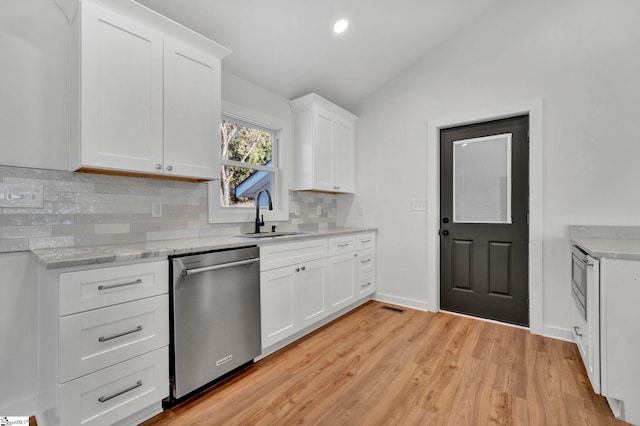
x=248 y=164
x=253 y=149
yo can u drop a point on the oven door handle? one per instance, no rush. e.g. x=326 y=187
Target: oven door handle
x=221 y=266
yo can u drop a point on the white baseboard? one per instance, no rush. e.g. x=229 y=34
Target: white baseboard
x=25 y=407
x=420 y=305
x=558 y=333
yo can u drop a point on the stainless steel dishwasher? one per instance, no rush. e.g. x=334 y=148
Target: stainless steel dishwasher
x=215 y=317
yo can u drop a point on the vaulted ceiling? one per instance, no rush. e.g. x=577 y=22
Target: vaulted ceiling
x=288 y=46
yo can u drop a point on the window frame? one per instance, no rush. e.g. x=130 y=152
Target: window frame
x=280 y=184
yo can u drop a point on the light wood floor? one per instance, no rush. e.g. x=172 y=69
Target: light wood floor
x=378 y=367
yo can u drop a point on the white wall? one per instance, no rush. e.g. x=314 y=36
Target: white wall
x=34 y=88
x=18 y=334
x=581 y=58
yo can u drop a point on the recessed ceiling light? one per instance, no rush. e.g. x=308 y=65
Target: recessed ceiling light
x=340 y=26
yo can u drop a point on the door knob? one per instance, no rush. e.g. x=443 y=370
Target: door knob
x=444 y=232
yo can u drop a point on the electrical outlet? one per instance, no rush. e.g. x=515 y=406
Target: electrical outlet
x=13 y=195
x=156 y=209
x=361 y=210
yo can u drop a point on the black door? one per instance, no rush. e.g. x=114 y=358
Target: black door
x=484 y=234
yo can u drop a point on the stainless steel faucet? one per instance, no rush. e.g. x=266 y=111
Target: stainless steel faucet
x=259 y=219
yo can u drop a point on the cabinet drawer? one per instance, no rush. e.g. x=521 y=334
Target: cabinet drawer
x=365 y=241
x=114 y=393
x=366 y=259
x=93 y=340
x=279 y=255
x=366 y=283
x=339 y=245
x=95 y=288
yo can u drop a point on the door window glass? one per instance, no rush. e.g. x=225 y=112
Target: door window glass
x=482 y=179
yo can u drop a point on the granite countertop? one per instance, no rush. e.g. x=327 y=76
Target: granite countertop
x=54 y=258
x=618 y=242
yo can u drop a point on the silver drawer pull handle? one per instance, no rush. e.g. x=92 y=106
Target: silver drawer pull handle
x=577 y=330
x=365 y=241
x=107 y=398
x=105 y=339
x=343 y=245
x=365 y=285
x=107 y=287
x=365 y=261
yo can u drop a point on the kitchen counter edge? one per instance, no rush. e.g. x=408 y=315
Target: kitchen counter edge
x=57 y=258
x=613 y=248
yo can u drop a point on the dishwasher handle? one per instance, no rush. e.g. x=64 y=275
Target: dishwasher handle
x=221 y=266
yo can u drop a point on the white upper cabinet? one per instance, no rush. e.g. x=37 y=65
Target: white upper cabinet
x=191 y=111
x=145 y=93
x=324 y=146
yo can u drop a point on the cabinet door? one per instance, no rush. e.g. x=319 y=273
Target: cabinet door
x=342 y=270
x=278 y=304
x=322 y=152
x=191 y=112
x=344 y=157
x=121 y=94
x=620 y=337
x=313 y=292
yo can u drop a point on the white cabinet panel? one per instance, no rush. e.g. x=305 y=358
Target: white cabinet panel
x=342 y=278
x=620 y=338
x=278 y=304
x=96 y=339
x=344 y=157
x=322 y=152
x=109 y=395
x=365 y=241
x=191 y=112
x=340 y=245
x=313 y=292
x=121 y=93
x=279 y=255
x=95 y=288
x=366 y=283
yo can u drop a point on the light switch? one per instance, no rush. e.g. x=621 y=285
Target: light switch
x=419 y=204
x=20 y=196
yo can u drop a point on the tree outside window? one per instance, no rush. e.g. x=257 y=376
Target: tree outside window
x=248 y=165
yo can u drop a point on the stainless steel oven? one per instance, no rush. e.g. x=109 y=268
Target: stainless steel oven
x=579 y=264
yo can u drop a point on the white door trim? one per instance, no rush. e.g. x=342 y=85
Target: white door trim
x=536 y=199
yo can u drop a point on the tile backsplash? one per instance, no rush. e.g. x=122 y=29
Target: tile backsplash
x=87 y=209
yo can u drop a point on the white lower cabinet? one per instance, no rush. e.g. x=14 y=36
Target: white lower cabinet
x=304 y=282
x=620 y=337
x=111 y=394
x=109 y=337
x=312 y=292
x=294 y=296
x=278 y=306
x=342 y=278
x=96 y=339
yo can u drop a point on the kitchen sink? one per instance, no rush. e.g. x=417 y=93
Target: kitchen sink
x=271 y=234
